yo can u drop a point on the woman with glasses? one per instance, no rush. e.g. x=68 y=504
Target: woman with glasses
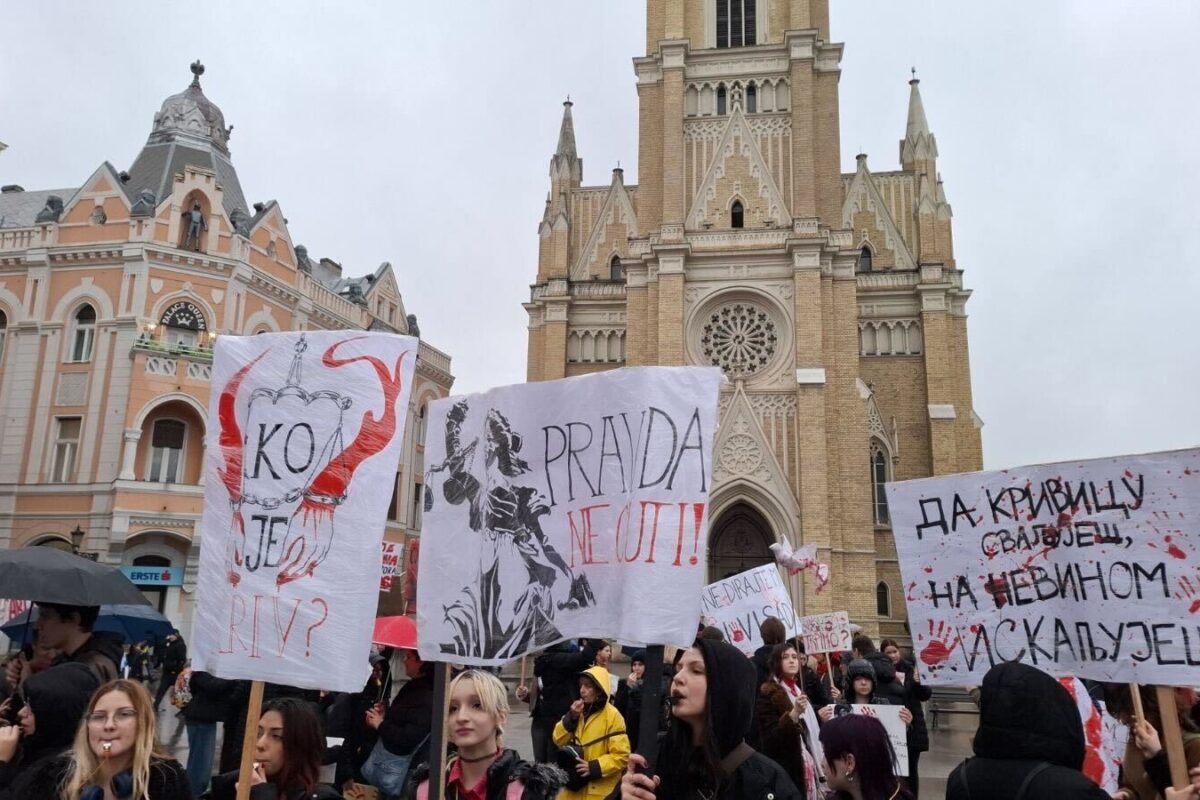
x=115 y=755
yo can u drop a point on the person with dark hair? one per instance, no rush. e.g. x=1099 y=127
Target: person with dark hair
x=704 y=751
x=405 y=727
x=556 y=673
x=773 y=633
x=1145 y=772
x=288 y=751
x=1029 y=744
x=861 y=691
x=52 y=705
x=886 y=684
x=68 y=629
x=914 y=695
x=783 y=735
x=174 y=660
x=860 y=761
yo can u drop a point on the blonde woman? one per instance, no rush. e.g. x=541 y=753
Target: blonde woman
x=115 y=755
x=482 y=767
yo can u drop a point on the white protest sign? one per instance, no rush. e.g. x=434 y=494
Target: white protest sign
x=1087 y=568
x=393 y=553
x=567 y=508
x=826 y=633
x=740 y=603
x=304 y=435
x=897 y=731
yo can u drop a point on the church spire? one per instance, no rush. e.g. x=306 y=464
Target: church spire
x=918 y=144
x=566 y=167
x=566 y=133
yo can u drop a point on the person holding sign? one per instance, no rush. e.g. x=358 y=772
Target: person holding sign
x=1030 y=743
x=861 y=691
x=704 y=753
x=482 y=767
x=859 y=760
x=782 y=708
x=1145 y=773
x=592 y=739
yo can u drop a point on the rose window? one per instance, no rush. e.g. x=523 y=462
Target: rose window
x=739 y=338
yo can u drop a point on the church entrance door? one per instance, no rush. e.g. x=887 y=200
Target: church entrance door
x=739 y=540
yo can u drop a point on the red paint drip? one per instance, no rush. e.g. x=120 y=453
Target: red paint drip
x=698 y=515
x=1174 y=551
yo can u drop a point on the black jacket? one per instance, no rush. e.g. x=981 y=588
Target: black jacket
x=1026 y=718
x=224 y=787
x=210 y=698
x=102 y=652
x=886 y=685
x=174 y=657
x=168 y=781
x=58 y=697
x=409 y=718
x=541 y=781
x=559 y=670
x=915 y=694
x=731 y=696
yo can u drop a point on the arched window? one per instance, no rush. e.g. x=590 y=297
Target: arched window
x=84 y=334
x=183 y=324
x=721 y=95
x=883 y=600
x=166 y=451
x=864 y=259
x=737 y=22
x=3 y=334
x=879 y=477
x=737 y=216
x=615 y=272
x=751 y=99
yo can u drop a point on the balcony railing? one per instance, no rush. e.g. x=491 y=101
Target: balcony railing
x=148 y=343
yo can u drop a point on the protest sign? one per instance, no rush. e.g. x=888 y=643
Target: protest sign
x=826 y=633
x=1104 y=741
x=393 y=553
x=1086 y=568
x=740 y=603
x=897 y=731
x=304 y=435
x=581 y=506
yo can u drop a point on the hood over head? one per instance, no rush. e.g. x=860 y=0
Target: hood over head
x=1027 y=715
x=58 y=697
x=731 y=689
x=861 y=668
x=600 y=677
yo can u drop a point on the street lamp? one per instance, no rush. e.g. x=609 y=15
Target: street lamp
x=77 y=539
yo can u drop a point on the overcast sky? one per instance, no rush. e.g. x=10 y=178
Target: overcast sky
x=1068 y=134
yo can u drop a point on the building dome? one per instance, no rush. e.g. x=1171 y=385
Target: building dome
x=190 y=116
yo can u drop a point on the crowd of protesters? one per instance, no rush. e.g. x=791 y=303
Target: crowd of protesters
x=78 y=721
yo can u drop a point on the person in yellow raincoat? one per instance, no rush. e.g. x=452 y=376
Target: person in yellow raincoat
x=597 y=726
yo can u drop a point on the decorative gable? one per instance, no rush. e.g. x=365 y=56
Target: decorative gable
x=863 y=197
x=615 y=223
x=738 y=171
x=741 y=452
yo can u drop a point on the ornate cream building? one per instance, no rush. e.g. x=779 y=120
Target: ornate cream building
x=108 y=308
x=832 y=301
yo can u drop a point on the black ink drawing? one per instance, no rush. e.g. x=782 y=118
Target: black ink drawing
x=509 y=607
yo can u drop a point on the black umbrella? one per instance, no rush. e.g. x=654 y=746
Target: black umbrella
x=49 y=575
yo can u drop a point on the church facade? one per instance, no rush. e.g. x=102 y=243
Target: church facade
x=833 y=302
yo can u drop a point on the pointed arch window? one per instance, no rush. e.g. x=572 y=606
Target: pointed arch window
x=737 y=215
x=883 y=600
x=864 y=259
x=3 y=334
x=83 y=334
x=166 y=451
x=721 y=100
x=880 y=475
x=615 y=273
x=737 y=23
x=751 y=99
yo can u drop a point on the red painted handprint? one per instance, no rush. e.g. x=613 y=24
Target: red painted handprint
x=1189 y=589
x=940 y=646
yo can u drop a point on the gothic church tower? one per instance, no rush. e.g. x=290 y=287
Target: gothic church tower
x=832 y=301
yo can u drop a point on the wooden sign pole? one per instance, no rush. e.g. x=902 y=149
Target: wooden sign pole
x=1135 y=694
x=1172 y=736
x=524 y=661
x=437 y=735
x=253 y=714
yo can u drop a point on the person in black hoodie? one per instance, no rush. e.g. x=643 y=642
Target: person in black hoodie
x=704 y=752
x=55 y=700
x=915 y=694
x=886 y=684
x=1030 y=743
